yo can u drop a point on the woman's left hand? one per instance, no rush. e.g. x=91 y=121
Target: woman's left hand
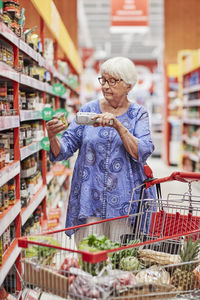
x=105 y=119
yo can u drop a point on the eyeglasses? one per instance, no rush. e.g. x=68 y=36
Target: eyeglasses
x=110 y=81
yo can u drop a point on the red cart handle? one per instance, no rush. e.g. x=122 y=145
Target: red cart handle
x=179 y=176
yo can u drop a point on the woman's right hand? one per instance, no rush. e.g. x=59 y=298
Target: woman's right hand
x=54 y=127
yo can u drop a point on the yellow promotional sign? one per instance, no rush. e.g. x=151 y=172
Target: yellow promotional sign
x=52 y=19
x=173 y=70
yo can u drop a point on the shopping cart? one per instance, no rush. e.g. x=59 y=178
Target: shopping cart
x=145 y=264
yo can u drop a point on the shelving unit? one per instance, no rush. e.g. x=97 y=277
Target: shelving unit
x=155 y=111
x=17 y=80
x=190 y=94
x=172 y=116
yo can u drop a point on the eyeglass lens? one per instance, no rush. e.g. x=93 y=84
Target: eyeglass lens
x=110 y=81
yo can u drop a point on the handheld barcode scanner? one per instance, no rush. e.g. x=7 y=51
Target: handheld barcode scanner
x=85 y=118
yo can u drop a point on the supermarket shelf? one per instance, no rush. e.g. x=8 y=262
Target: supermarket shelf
x=8 y=34
x=29 y=150
x=28 y=115
x=8 y=122
x=192 y=103
x=32 y=82
x=9 y=172
x=28 y=50
x=191 y=121
x=191 y=89
x=12 y=74
x=7 y=72
x=33 y=204
x=9 y=259
x=48 y=89
x=38 y=85
x=9 y=215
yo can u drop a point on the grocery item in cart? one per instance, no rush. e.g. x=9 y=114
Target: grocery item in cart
x=42 y=254
x=154 y=274
x=101 y=287
x=129 y=263
x=149 y=291
x=149 y=257
x=183 y=276
x=95 y=243
x=170 y=247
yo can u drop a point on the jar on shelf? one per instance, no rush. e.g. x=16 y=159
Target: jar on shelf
x=12 y=231
x=6 y=199
x=7 y=19
x=24 y=195
x=10 y=58
x=3 y=89
x=21 y=63
x=30 y=98
x=11 y=191
x=23 y=102
x=1 y=199
x=2 y=156
x=33 y=162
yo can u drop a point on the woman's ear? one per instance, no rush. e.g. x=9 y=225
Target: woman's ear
x=129 y=87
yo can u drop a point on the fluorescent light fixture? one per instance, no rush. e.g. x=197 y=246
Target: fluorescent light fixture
x=129 y=29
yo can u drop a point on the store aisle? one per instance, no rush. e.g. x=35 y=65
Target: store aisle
x=160 y=169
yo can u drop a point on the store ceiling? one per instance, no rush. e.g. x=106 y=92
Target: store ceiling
x=94 y=32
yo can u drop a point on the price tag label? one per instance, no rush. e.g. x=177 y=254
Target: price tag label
x=59 y=89
x=45 y=144
x=47 y=113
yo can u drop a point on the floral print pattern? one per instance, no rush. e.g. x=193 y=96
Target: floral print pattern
x=105 y=174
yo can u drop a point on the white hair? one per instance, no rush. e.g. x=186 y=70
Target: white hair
x=122 y=67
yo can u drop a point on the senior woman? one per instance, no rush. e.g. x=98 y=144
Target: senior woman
x=111 y=154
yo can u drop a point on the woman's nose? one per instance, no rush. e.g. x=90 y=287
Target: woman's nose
x=106 y=84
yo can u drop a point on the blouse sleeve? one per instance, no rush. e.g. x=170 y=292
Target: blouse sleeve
x=70 y=142
x=143 y=135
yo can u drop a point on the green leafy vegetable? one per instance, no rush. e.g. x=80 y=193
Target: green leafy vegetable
x=43 y=254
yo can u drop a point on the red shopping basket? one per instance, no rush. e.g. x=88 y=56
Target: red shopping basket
x=165 y=223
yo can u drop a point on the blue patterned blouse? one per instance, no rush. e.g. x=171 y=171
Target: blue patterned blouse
x=105 y=174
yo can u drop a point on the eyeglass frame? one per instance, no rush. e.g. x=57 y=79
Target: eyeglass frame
x=107 y=80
